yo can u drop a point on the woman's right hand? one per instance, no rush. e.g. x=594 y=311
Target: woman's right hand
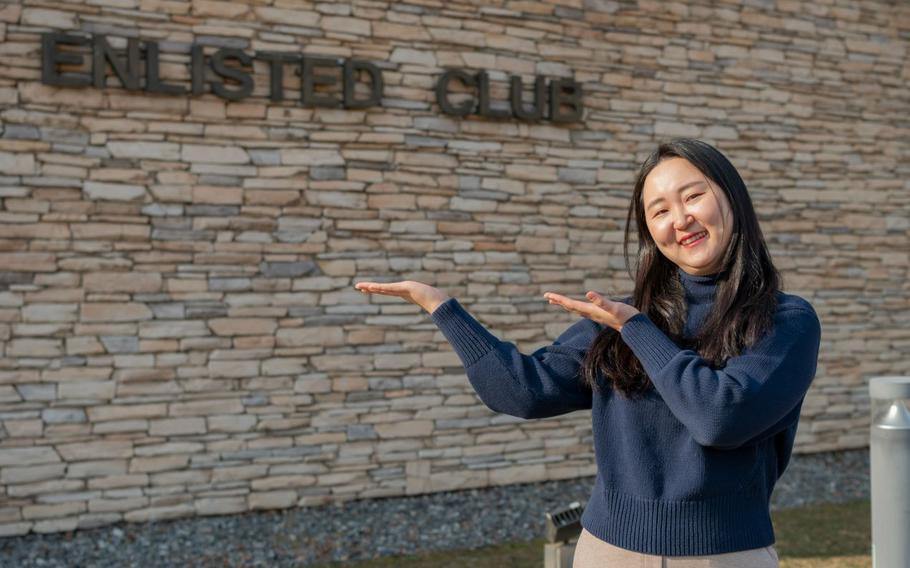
x=424 y=295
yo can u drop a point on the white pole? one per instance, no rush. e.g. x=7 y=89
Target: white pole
x=889 y=449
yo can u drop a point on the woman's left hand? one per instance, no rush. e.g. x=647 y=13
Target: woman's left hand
x=597 y=308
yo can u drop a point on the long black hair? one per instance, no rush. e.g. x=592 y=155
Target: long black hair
x=747 y=285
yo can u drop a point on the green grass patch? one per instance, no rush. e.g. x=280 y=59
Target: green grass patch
x=817 y=536
x=820 y=530
x=825 y=536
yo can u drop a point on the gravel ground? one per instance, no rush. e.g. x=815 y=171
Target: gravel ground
x=379 y=527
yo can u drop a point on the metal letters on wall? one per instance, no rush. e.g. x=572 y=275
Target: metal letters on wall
x=228 y=73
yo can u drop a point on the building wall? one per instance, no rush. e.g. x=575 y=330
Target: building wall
x=179 y=331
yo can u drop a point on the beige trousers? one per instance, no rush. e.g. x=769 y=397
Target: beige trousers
x=591 y=552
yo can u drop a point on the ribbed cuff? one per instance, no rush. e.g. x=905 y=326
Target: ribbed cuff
x=649 y=343
x=469 y=338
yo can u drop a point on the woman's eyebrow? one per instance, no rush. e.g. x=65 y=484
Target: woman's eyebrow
x=678 y=190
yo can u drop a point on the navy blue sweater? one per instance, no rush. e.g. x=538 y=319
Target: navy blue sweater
x=689 y=469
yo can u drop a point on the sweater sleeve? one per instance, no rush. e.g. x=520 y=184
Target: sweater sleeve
x=542 y=384
x=756 y=394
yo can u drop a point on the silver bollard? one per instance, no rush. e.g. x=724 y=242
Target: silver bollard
x=889 y=453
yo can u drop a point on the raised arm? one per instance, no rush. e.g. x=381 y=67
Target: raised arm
x=545 y=383
x=756 y=394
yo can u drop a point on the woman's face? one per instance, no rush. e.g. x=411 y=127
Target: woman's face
x=679 y=201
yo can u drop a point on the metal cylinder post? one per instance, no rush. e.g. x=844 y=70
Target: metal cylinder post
x=889 y=453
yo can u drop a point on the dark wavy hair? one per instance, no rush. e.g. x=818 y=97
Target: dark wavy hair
x=746 y=296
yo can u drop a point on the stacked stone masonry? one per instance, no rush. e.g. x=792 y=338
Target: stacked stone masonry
x=179 y=330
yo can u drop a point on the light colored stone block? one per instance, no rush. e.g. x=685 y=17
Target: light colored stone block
x=405 y=429
x=177 y=426
x=311 y=157
x=144 y=150
x=95 y=450
x=221 y=505
x=159 y=513
x=17 y=164
x=231 y=423
x=205 y=153
x=207 y=407
x=32 y=473
x=35 y=348
x=23 y=428
x=63 y=415
x=233 y=369
x=272 y=499
x=28 y=456
x=317 y=336
x=126 y=411
x=172 y=329
x=238 y=473
x=346 y=25
x=50 y=486
x=131 y=282
x=96 y=468
x=96 y=390
x=158 y=463
x=114 y=482
x=28 y=262
x=116 y=505
x=296 y=17
x=14 y=529
x=62 y=19
x=113 y=191
x=55 y=525
x=33 y=512
x=243 y=326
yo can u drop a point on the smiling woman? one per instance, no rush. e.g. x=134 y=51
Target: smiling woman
x=683 y=188
x=690 y=222
x=695 y=382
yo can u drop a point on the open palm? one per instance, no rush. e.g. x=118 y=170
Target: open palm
x=597 y=308
x=424 y=295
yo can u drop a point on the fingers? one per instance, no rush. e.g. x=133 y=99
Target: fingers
x=577 y=306
x=565 y=302
x=398 y=289
x=374 y=285
x=377 y=287
x=595 y=298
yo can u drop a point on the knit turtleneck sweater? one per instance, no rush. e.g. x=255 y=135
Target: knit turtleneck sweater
x=689 y=468
x=699 y=297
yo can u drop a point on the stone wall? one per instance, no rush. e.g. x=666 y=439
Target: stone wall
x=179 y=331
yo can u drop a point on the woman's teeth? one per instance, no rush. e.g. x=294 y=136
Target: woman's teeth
x=694 y=238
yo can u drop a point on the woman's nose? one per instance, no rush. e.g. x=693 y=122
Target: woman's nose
x=682 y=220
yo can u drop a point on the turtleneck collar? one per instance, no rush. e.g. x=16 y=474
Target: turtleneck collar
x=699 y=289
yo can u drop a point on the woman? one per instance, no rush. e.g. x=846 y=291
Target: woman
x=695 y=381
